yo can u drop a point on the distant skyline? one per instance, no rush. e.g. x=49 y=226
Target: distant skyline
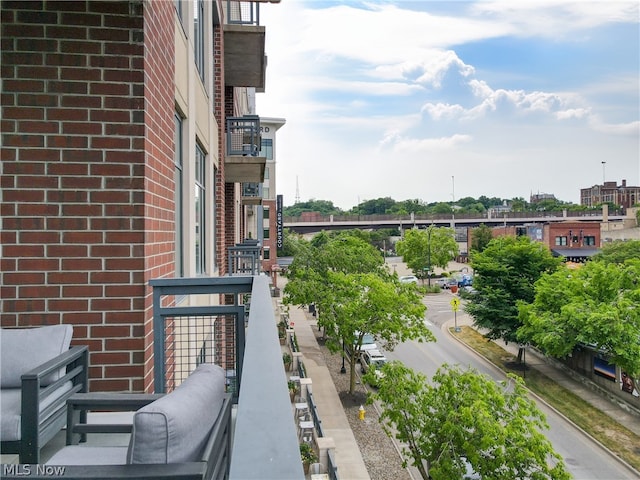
x=442 y=100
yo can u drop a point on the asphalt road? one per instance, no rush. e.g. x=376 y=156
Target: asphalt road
x=584 y=458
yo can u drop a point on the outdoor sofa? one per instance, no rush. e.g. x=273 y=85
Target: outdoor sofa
x=38 y=373
x=183 y=435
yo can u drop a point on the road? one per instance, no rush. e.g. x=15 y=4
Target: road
x=584 y=458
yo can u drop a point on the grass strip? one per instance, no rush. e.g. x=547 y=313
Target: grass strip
x=620 y=440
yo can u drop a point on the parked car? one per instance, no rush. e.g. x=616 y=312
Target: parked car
x=373 y=358
x=368 y=343
x=442 y=282
x=465 y=280
x=408 y=279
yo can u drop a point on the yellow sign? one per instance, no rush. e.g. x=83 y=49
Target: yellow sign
x=455 y=304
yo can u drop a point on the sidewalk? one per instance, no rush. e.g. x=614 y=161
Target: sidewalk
x=334 y=421
x=625 y=415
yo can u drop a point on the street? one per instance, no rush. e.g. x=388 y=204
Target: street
x=584 y=458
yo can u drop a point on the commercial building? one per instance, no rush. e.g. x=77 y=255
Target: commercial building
x=610 y=192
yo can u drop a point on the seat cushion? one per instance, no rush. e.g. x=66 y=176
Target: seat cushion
x=10 y=407
x=23 y=349
x=89 y=455
x=176 y=427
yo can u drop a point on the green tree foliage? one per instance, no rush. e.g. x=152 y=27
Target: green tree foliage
x=619 y=251
x=432 y=247
x=480 y=238
x=368 y=303
x=291 y=243
x=597 y=304
x=345 y=277
x=323 y=207
x=504 y=273
x=463 y=416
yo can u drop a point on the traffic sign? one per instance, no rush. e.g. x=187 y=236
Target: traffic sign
x=455 y=304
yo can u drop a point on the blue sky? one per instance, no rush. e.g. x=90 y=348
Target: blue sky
x=442 y=100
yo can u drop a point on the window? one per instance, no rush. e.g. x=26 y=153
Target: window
x=266 y=173
x=590 y=240
x=200 y=211
x=265 y=192
x=198 y=36
x=266 y=254
x=266 y=149
x=265 y=233
x=561 y=240
x=179 y=178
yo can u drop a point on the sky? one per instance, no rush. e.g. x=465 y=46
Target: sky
x=439 y=100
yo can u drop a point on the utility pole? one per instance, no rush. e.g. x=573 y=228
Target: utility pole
x=603 y=164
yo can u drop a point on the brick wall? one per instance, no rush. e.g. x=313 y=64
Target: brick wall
x=87 y=180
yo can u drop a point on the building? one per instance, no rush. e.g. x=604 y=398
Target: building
x=610 y=192
x=128 y=133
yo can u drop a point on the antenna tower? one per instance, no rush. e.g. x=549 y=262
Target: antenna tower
x=297 y=191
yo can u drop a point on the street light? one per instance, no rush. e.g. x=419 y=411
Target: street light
x=429 y=254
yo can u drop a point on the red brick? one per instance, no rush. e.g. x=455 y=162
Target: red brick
x=24 y=59
x=37 y=264
x=68 y=196
x=113 y=344
x=23 y=251
x=82 y=210
x=87 y=237
x=110 y=143
x=126 y=371
x=68 y=168
x=73 y=114
x=39 y=237
x=124 y=290
x=41 y=291
x=110 y=169
x=110 y=251
x=109 y=358
x=110 y=277
x=87 y=318
x=19 y=306
x=37 y=100
x=82 y=291
x=57 y=141
x=23 y=85
x=68 y=305
x=78 y=278
x=88 y=183
x=18 y=223
x=37 y=210
x=66 y=60
x=29 y=182
x=84 y=264
x=40 y=155
x=102 y=385
x=74 y=251
x=110 y=331
x=39 y=127
x=23 y=113
x=85 y=101
x=23 y=140
x=120 y=89
x=125 y=237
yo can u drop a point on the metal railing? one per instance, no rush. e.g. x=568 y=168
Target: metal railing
x=243 y=13
x=243 y=135
x=201 y=329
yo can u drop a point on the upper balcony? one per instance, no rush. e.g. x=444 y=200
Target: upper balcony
x=244 y=59
x=251 y=193
x=242 y=163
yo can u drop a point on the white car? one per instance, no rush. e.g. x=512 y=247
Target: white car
x=409 y=279
x=375 y=358
x=368 y=343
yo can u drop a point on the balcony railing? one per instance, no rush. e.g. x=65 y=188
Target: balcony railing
x=243 y=13
x=265 y=441
x=243 y=135
x=244 y=258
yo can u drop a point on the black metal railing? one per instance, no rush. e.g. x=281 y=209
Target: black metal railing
x=243 y=13
x=263 y=412
x=243 y=135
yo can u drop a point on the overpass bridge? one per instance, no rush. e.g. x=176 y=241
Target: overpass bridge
x=317 y=223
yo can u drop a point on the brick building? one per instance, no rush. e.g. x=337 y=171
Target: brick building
x=116 y=165
x=610 y=192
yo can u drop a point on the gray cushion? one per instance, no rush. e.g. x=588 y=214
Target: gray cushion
x=176 y=427
x=88 y=455
x=10 y=408
x=23 y=349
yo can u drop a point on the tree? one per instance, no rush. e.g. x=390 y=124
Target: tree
x=597 y=305
x=463 y=417
x=480 y=237
x=291 y=242
x=368 y=303
x=421 y=250
x=619 y=251
x=504 y=273
x=345 y=277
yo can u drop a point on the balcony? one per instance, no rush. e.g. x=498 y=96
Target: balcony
x=251 y=193
x=244 y=38
x=242 y=163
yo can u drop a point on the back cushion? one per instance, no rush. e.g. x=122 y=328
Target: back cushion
x=23 y=349
x=176 y=427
